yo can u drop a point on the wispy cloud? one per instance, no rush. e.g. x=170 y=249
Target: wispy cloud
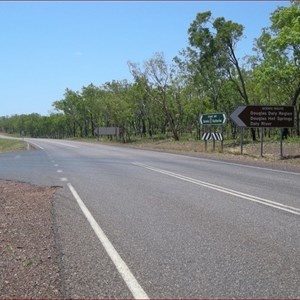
x=78 y=53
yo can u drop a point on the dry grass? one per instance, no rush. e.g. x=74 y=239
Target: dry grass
x=12 y=145
x=271 y=150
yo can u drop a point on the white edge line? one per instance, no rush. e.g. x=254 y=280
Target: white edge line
x=266 y=202
x=53 y=142
x=234 y=164
x=36 y=145
x=219 y=188
x=131 y=282
x=63 y=144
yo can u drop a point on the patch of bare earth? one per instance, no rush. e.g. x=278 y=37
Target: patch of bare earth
x=28 y=260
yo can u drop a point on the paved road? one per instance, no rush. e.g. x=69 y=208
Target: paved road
x=133 y=223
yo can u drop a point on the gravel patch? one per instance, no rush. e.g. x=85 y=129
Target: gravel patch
x=28 y=263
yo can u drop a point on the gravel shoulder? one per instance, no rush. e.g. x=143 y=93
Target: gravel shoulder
x=28 y=263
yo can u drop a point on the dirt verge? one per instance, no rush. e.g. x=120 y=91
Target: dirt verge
x=28 y=261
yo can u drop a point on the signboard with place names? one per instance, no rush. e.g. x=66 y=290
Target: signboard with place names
x=264 y=116
x=213 y=119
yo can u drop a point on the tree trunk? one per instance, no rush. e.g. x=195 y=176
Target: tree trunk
x=93 y=126
x=144 y=129
x=173 y=128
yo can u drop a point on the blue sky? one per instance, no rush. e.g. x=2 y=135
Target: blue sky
x=48 y=46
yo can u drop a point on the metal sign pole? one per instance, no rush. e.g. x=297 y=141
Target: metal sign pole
x=261 y=141
x=205 y=139
x=241 y=139
x=222 y=139
x=281 y=148
x=214 y=142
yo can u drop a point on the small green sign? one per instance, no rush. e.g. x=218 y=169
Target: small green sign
x=213 y=119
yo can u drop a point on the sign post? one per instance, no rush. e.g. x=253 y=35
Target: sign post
x=281 y=149
x=260 y=116
x=261 y=131
x=242 y=139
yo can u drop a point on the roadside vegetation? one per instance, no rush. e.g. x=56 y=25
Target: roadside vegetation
x=231 y=147
x=164 y=100
x=12 y=145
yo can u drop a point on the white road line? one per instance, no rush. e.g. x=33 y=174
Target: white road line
x=36 y=145
x=59 y=143
x=131 y=282
x=51 y=141
x=290 y=209
x=63 y=179
x=59 y=171
x=235 y=164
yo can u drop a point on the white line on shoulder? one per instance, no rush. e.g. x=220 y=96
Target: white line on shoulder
x=131 y=282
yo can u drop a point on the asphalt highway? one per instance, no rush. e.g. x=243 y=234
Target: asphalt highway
x=142 y=224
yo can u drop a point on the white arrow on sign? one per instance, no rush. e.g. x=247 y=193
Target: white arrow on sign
x=235 y=116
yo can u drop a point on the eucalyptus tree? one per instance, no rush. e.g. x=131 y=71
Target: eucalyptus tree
x=118 y=107
x=14 y=124
x=92 y=100
x=57 y=126
x=156 y=80
x=33 y=125
x=213 y=58
x=277 y=63
x=140 y=109
x=71 y=106
x=200 y=63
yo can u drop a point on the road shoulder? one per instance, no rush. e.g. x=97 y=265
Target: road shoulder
x=29 y=265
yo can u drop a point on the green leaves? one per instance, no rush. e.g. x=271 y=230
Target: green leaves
x=278 y=53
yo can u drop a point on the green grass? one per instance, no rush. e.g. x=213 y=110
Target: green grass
x=12 y=145
x=27 y=262
x=9 y=249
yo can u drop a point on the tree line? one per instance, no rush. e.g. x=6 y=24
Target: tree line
x=166 y=99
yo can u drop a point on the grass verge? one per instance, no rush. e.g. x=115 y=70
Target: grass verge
x=12 y=145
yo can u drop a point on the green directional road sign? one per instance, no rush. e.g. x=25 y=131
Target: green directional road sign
x=213 y=119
